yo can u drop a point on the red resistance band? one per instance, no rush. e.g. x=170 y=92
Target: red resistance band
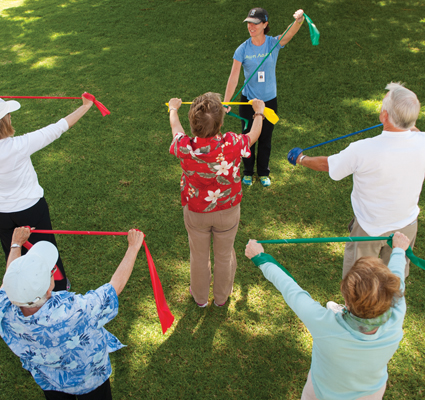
x=164 y=313
x=88 y=96
x=57 y=276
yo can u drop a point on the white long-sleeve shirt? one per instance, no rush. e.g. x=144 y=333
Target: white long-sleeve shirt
x=19 y=187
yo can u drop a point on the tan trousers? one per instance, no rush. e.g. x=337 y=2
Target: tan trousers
x=355 y=250
x=308 y=392
x=223 y=225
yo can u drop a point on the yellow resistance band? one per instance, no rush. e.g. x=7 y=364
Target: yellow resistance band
x=268 y=112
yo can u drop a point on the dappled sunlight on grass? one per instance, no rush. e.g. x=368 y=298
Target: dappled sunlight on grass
x=372 y=106
x=5 y=4
x=47 y=63
x=115 y=173
x=57 y=35
x=21 y=52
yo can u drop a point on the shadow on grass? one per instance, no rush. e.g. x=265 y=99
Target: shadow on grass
x=206 y=356
x=115 y=173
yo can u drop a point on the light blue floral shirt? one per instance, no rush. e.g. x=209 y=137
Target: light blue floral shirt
x=64 y=344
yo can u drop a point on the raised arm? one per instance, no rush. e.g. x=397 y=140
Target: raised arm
x=73 y=118
x=174 y=105
x=257 y=125
x=311 y=313
x=315 y=163
x=19 y=237
x=124 y=270
x=232 y=82
x=299 y=19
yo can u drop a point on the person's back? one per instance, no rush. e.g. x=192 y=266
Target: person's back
x=352 y=345
x=388 y=172
x=59 y=336
x=57 y=343
x=347 y=363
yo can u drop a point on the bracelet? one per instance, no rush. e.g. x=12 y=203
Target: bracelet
x=301 y=160
x=258 y=114
x=172 y=108
x=15 y=246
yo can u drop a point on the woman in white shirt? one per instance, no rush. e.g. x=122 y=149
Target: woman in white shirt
x=21 y=197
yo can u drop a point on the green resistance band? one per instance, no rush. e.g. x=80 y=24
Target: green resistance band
x=409 y=252
x=314 y=36
x=262 y=62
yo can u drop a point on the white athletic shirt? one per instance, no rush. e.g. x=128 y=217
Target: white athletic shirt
x=388 y=173
x=19 y=187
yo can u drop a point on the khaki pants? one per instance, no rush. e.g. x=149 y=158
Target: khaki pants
x=308 y=392
x=355 y=250
x=223 y=225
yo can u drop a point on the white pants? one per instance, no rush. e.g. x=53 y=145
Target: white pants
x=308 y=392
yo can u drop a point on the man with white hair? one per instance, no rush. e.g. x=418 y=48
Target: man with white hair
x=388 y=172
x=59 y=336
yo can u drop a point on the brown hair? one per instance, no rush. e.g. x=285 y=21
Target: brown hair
x=206 y=115
x=6 y=128
x=370 y=288
x=267 y=29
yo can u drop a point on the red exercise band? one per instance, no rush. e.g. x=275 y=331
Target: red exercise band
x=164 y=313
x=57 y=276
x=104 y=111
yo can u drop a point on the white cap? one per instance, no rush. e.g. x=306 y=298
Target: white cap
x=7 y=107
x=28 y=277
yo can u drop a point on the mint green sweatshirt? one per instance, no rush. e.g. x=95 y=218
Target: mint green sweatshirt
x=345 y=364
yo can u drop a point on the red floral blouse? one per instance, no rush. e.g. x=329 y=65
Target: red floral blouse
x=211 y=179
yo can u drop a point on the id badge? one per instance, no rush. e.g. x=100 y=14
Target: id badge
x=261 y=76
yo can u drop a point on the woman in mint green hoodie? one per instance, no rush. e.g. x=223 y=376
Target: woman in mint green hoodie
x=352 y=344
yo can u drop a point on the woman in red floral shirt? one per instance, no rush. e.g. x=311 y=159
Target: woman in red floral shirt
x=211 y=190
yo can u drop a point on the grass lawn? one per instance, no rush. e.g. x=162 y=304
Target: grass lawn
x=115 y=173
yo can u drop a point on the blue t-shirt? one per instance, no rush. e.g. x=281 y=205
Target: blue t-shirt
x=262 y=85
x=64 y=344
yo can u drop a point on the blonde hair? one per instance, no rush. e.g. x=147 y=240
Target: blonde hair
x=6 y=128
x=206 y=115
x=370 y=288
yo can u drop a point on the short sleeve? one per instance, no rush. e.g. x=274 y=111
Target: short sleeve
x=240 y=53
x=4 y=303
x=342 y=164
x=101 y=304
x=180 y=139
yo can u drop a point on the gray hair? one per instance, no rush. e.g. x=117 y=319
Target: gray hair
x=402 y=106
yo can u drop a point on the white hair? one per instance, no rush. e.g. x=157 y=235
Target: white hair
x=402 y=106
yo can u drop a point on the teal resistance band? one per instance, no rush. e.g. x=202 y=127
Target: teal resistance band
x=262 y=62
x=409 y=252
x=314 y=35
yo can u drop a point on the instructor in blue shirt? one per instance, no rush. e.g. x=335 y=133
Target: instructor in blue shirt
x=261 y=86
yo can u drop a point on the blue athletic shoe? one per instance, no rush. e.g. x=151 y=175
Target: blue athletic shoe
x=265 y=181
x=247 y=180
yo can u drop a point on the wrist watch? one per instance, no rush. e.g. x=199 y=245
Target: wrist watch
x=15 y=245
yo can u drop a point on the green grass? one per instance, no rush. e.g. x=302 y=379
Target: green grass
x=115 y=173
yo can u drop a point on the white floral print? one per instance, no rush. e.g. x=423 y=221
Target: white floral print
x=223 y=168
x=213 y=196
